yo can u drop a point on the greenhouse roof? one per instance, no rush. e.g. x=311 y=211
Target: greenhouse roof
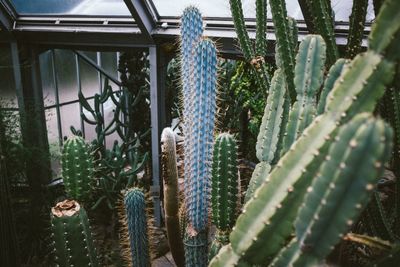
x=127 y=23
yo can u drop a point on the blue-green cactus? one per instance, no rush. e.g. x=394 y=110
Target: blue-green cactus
x=72 y=238
x=77 y=168
x=136 y=219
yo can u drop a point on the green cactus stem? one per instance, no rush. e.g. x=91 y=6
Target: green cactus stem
x=270 y=131
x=171 y=195
x=255 y=58
x=77 y=169
x=356 y=30
x=309 y=73
x=225 y=189
x=284 y=44
x=321 y=12
x=331 y=78
x=72 y=237
x=355 y=162
x=135 y=208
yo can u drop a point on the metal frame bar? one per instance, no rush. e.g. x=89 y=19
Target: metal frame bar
x=7 y=15
x=143 y=17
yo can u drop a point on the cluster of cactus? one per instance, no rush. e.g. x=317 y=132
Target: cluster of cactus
x=225 y=190
x=77 y=169
x=72 y=238
x=318 y=158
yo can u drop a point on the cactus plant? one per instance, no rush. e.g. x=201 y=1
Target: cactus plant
x=356 y=30
x=72 y=237
x=77 y=168
x=171 y=195
x=254 y=57
x=270 y=131
x=284 y=44
x=321 y=12
x=308 y=78
x=332 y=76
x=367 y=74
x=135 y=208
x=191 y=33
x=355 y=162
x=225 y=189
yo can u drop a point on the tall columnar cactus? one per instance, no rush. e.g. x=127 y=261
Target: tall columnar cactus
x=308 y=78
x=321 y=13
x=254 y=56
x=284 y=43
x=135 y=208
x=72 y=238
x=77 y=168
x=340 y=190
x=225 y=189
x=270 y=131
x=171 y=195
x=191 y=33
x=199 y=136
x=356 y=30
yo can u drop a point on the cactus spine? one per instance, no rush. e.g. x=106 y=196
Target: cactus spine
x=77 y=168
x=72 y=237
x=355 y=161
x=171 y=195
x=135 y=207
x=356 y=30
x=225 y=189
x=284 y=44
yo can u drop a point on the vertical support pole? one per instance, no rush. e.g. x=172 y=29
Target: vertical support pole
x=34 y=133
x=158 y=70
x=79 y=81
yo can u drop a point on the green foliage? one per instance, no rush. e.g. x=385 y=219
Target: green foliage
x=72 y=237
x=8 y=242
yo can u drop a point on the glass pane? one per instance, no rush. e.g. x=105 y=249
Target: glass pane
x=66 y=75
x=70 y=116
x=89 y=76
x=8 y=96
x=46 y=72
x=220 y=8
x=72 y=7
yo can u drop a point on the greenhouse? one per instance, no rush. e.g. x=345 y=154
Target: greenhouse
x=194 y=133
